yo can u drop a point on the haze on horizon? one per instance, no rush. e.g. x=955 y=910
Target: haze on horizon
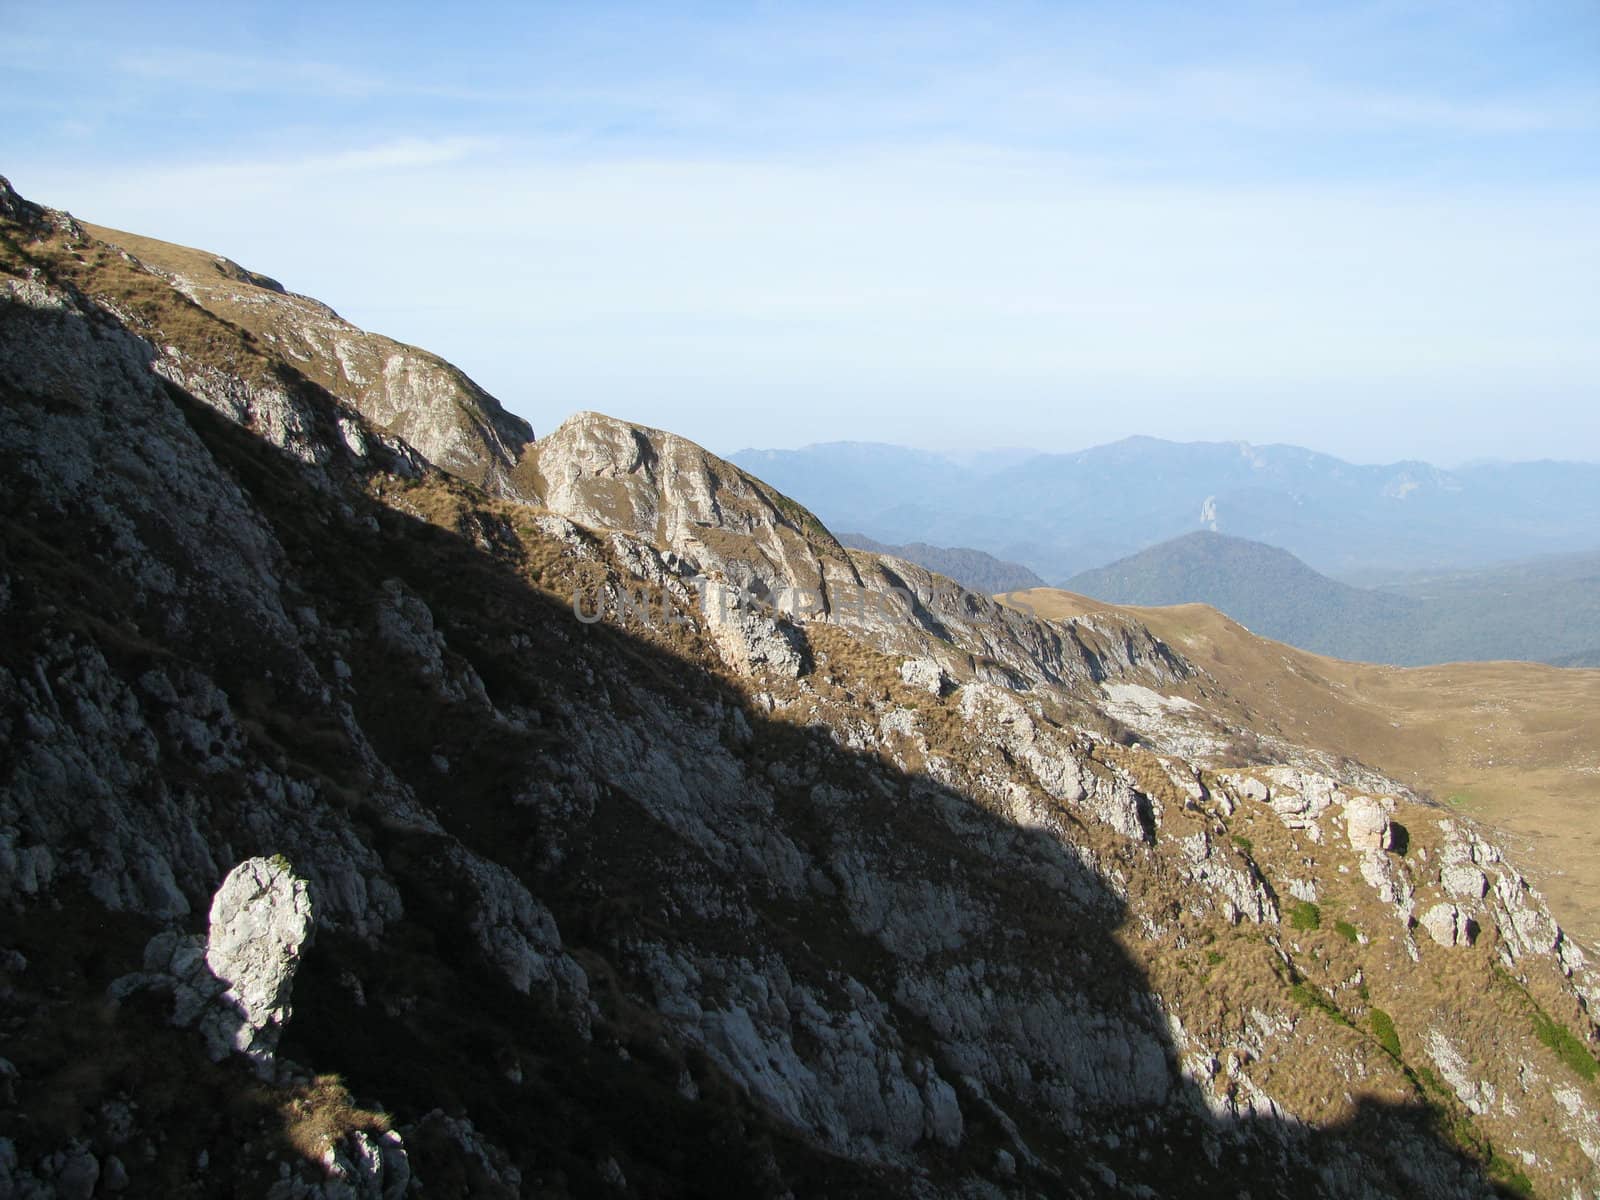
x=1367 y=229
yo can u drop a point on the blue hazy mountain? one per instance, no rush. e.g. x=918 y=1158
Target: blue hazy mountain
x=1546 y=609
x=1059 y=514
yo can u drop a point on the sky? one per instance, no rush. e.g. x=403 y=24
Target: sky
x=1368 y=228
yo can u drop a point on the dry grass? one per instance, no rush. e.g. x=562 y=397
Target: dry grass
x=319 y=1114
x=1514 y=745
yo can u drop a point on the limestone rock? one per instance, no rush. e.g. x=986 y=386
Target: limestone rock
x=359 y=1166
x=1449 y=926
x=260 y=922
x=750 y=639
x=1367 y=824
x=1246 y=787
x=1456 y=1071
x=410 y=396
x=924 y=674
x=1464 y=881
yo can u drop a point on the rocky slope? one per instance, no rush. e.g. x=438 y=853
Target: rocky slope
x=366 y=833
x=403 y=391
x=1514 y=744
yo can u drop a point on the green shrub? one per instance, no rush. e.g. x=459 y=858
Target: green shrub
x=1243 y=843
x=1305 y=916
x=1309 y=997
x=1510 y=1176
x=1347 y=931
x=1213 y=957
x=1568 y=1047
x=1383 y=1029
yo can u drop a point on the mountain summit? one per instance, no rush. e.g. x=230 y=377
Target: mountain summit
x=381 y=822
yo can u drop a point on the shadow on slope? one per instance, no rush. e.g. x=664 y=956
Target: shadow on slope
x=628 y=799
x=618 y=882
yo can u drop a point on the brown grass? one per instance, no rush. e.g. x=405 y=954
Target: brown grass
x=319 y=1114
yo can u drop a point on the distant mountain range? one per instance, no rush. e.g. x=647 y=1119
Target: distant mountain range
x=1060 y=514
x=970 y=568
x=1542 y=610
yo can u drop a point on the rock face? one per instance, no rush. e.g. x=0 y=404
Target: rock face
x=717 y=523
x=892 y=892
x=1443 y=923
x=1465 y=881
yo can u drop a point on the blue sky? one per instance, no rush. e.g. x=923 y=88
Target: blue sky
x=1373 y=229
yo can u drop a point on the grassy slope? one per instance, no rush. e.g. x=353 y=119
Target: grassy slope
x=1516 y=745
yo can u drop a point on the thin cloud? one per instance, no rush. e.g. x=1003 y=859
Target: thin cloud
x=205 y=70
x=396 y=154
x=213 y=71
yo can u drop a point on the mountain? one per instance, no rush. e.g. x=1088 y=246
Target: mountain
x=1268 y=589
x=1515 y=744
x=1543 y=610
x=1061 y=514
x=612 y=829
x=970 y=568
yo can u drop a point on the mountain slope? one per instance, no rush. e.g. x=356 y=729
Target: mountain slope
x=1515 y=744
x=1546 y=609
x=1268 y=589
x=620 y=889
x=401 y=390
x=972 y=569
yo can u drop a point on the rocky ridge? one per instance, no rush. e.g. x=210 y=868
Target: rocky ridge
x=404 y=392
x=854 y=882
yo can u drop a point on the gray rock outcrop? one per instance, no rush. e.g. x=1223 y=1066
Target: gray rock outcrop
x=260 y=924
x=234 y=985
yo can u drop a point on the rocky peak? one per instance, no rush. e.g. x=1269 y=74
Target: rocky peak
x=611 y=474
x=722 y=523
x=35 y=218
x=11 y=204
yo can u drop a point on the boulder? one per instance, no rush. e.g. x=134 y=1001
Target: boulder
x=1247 y=787
x=260 y=921
x=1449 y=926
x=1464 y=881
x=1367 y=823
x=925 y=674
